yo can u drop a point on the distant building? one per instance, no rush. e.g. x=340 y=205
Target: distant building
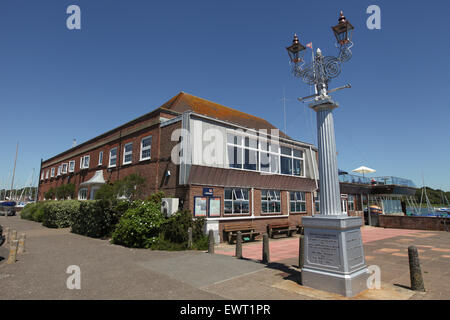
x=221 y=163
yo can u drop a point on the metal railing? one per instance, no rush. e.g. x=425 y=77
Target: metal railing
x=350 y=178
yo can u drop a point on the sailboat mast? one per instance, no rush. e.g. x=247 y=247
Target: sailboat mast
x=14 y=170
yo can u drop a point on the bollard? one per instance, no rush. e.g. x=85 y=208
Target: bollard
x=7 y=235
x=13 y=235
x=12 y=251
x=301 y=251
x=21 y=245
x=414 y=270
x=239 y=245
x=189 y=237
x=211 y=242
x=266 y=251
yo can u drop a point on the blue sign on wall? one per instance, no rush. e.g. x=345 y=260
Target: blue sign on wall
x=207 y=191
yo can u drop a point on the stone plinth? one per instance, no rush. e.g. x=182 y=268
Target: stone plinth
x=334 y=255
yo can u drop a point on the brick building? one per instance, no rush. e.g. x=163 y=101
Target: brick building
x=219 y=162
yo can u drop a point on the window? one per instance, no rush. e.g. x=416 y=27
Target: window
x=242 y=152
x=112 y=157
x=297 y=201
x=85 y=162
x=351 y=202
x=236 y=201
x=52 y=173
x=251 y=152
x=46 y=175
x=100 y=158
x=59 y=171
x=72 y=166
x=128 y=153
x=291 y=161
x=82 y=194
x=146 y=147
x=270 y=201
x=317 y=202
x=64 y=168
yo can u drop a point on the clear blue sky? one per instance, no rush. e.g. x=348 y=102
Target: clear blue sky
x=131 y=56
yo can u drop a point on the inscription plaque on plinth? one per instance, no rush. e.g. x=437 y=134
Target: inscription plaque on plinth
x=323 y=249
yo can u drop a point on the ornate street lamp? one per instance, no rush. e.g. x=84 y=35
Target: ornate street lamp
x=295 y=51
x=334 y=256
x=343 y=31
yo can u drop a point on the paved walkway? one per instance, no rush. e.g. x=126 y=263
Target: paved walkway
x=286 y=248
x=115 y=272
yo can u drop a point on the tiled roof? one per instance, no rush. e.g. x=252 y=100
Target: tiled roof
x=183 y=102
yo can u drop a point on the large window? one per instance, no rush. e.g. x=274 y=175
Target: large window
x=113 y=157
x=250 y=152
x=64 y=168
x=82 y=194
x=270 y=201
x=128 y=153
x=42 y=175
x=46 y=174
x=146 y=148
x=236 y=201
x=52 y=173
x=297 y=201
x=291 y=161
x=59 y=171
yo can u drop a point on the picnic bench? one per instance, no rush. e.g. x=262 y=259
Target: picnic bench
x=280 y=228
x=246 y=229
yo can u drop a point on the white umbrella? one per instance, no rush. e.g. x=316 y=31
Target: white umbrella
x=364 y=170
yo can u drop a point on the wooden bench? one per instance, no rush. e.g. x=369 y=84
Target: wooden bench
x=246 y=229
x=280 y=228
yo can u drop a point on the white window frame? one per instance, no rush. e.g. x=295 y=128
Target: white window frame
x=100 y=158
x=46 y=174
x=42 y=175
x=52 y=172
x=71 y=165
x=239 y=197
x=81 y=192
x=115 y=157
x=126 y=153
x=58 y=172
x=64 y=165
x=149 y=147
x=272 y=197
x=297 y=200
x=85 y=165
x=274 y=153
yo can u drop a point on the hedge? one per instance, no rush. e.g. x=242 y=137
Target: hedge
x=58 y=214
x=97 y=218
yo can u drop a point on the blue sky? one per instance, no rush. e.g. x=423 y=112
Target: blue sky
x=131 y=56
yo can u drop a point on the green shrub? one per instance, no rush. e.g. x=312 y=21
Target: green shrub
x=27 y=211
x=95 y=218
x=33 y=211
x=140 y=226
x=38 y=212
x=58 y=214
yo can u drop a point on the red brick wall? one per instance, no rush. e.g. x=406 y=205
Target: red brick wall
x=415 y=223
x=149 y=169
